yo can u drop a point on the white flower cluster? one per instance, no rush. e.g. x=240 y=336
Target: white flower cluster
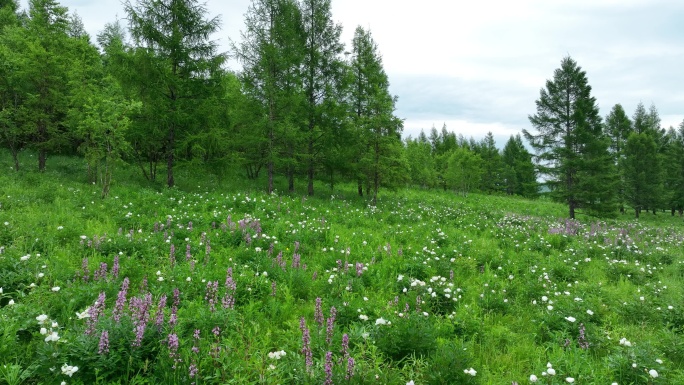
x=69 y=370
x=51 y=335
x=277 y=355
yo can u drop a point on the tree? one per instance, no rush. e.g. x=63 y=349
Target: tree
x=464 y=170
x=572 y=151
x=43 y=70
x=420 y=162
x=640 y=163
x=102 y=121
x=379 y=148
x=181 y=66
x=617 y=128
x=519 y=175
x=322 y=72
x=492 y=166
x=272 y=53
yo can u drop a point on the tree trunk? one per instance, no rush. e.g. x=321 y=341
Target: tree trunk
x=360 y=187
x=571 y=214
x=270 y=177
x=310 y=186
x=169 y=160
x=637 y=212
x=42 y=158
x=15 y=157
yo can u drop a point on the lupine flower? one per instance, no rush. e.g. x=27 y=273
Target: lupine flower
x=120 y=300
x=318 y=312
x=306 y=341
x=328 y=368
x=103 y=346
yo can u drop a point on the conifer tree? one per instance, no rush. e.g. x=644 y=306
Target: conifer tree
x=272 y=55
x=378 y=130
x=322 y=72
x=181 y=67
x=618 y=126
x=519 y=175
x=572 y=152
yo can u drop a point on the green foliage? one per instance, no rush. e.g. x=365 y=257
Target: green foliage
x=464 y=171
x=573 y=151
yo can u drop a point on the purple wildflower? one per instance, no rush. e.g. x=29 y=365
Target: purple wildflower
x=318 y=312
x=103 y=346
x=121 y=300
x=328 y=368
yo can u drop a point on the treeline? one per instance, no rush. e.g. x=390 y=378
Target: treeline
x=156 y=93
x=598 y=166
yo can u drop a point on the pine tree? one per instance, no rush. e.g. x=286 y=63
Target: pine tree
x=572 y=152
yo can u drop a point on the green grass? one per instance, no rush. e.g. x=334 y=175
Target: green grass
x=498 y=284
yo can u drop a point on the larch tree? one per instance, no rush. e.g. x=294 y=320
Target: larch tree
x=182 y=66
x=617 y=127
x=640 y=163
x=378 y=130
x=272 y=53
x=322 y=71
x=571 y=149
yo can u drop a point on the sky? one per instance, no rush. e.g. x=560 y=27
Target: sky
x=478 y=66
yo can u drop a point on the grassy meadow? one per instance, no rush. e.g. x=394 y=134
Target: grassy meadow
x=215 y=282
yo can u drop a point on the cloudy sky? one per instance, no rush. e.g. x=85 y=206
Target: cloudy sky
x=477 y=66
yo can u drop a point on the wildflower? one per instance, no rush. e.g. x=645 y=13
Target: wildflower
x=103 y=345
x=624 y=341
x=11 y=302
x=363 y=317
x=533 y=378
x=571 y=319
x=69 y=370
x=381 y=321
x=52 y=337
x=570 y=380
x=653 y=373
x=84 y=314
x=659 y=361
x=43 y=331
x=551 y=371
x=277 y=355
x=590 y=312
x=410 y=382
x=55 y=289
x=41 y=319
x=470 y=371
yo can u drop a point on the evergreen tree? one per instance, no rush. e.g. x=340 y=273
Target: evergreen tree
x=519 y=175
x=572 y=152
x=181 y=67
x=492 y=166
x=640 y=163
x=617 y=128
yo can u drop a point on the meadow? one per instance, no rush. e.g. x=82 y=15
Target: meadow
x=215 y=282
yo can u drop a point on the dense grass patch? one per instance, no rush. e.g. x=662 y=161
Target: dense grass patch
x=208 y=283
